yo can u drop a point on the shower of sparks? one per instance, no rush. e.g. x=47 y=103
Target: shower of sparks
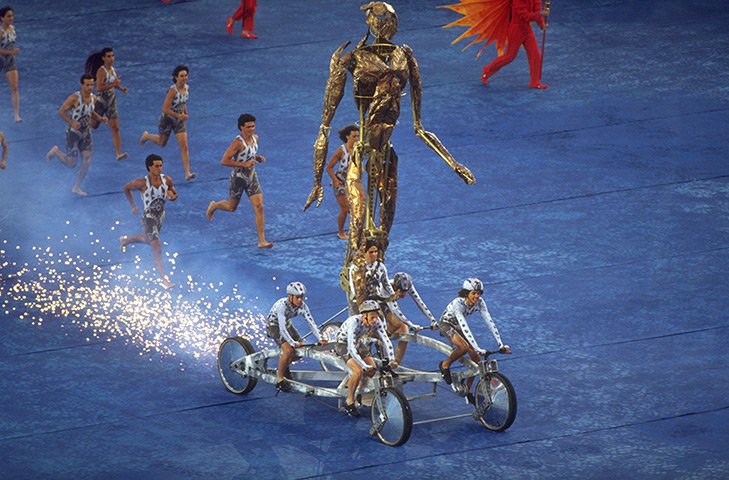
x=122 y=301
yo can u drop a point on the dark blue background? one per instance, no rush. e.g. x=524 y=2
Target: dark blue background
x=599 y=224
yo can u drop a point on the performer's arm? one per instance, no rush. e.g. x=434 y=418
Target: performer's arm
x=310 y=320
x=281 y=317
x=71 y=102
x=489 y=322
x=136 y=184
x=171 y=192
x=235 y=147
x=416 y=90
x=421 y=305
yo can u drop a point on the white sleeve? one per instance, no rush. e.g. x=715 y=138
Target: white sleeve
x=489 y=323
x=421 y=305
x=398 y=313
x=310 y=320
x=382 y=332
x=281 y=315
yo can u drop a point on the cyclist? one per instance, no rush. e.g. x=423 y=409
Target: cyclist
x=356 y=353
x=282 y=331
x=454 y=327
x=386 y=292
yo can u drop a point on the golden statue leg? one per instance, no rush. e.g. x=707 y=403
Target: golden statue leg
x=357 y=208
x=388 y=192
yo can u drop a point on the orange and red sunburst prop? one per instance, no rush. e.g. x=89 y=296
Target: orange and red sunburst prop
x=488 y=19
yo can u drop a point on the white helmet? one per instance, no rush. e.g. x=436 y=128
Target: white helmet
x=296 y=288
x=369 y=306
x=473 y=284
x=402 y=281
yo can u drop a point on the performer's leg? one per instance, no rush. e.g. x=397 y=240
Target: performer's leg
x=82 y=171
x=157 y=255
x=12 y=77
x=535 y=59
x=116 y=138
x=229 y=205
x=342 y=216
x=238 y=15
x=250 y=12
x=184 y=153
x=257 y=202
x=160 y=140
x=513 y=43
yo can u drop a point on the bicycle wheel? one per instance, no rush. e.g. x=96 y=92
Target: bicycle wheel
x=398 y=423
x=329 y=333
x=231 y=350
x=497 y=394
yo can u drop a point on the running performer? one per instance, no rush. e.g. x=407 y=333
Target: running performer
x=454 y=327
x=173 y=118
x=155 y=189
x=77 y=111
x=101 y=66
x=282 y=331
x=8 y=51
x=356 y=353
x=242 y=155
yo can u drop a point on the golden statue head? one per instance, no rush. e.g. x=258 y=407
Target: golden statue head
x=381 y=18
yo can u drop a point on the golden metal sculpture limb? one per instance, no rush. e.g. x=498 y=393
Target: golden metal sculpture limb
x=380 y=72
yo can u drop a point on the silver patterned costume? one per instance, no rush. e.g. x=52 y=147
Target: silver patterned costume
x=153 y=216
x=453 y=320
x=279 y=326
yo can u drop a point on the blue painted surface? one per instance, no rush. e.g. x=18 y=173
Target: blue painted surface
x=599 y=224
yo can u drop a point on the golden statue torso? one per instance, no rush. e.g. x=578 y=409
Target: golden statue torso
x=380 y=74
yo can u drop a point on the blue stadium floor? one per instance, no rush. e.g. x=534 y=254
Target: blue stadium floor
x=599 y=224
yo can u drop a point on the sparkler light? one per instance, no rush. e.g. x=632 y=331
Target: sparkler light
x=104 y=299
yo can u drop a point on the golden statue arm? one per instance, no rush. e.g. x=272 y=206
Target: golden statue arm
x=332 y=96
x=416 y=91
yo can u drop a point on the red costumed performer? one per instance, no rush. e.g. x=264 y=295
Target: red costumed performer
x=245 y=13
x=508 y=23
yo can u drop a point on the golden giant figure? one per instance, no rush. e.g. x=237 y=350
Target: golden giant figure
x=380 y=72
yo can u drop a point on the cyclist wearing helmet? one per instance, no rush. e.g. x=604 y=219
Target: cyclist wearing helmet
x=387 y=292
x=280 y=328
x=356 y=353
x=454 y=327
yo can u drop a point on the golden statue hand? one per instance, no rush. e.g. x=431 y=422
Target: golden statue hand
x=465 y=174
x=317 y=194
x=434 y=143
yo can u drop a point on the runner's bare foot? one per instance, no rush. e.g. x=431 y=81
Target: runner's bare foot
x=123 y=242
x=210 y=210
x=51 y=153
x=78 y=191
x=166 y=283
x=144 y=138
x=122 y=156
x=18 y=120
x=190 y=176
x=343 y=236
x=265 y=245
